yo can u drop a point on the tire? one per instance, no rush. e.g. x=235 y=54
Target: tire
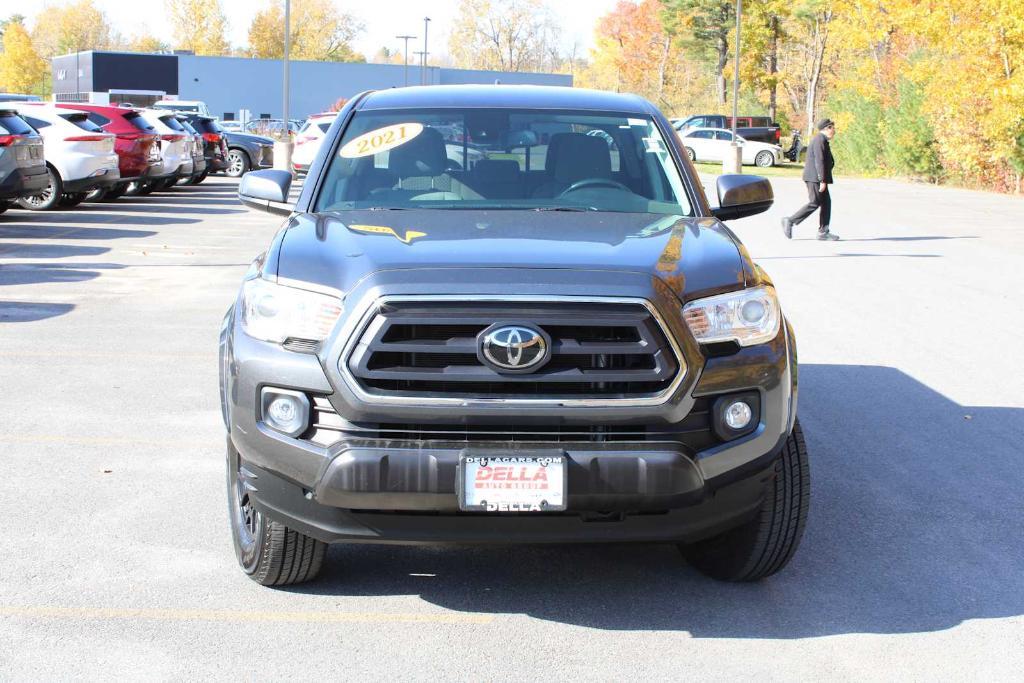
x=150 y=188
x=764 y=159
x=134 y=188
x=238 y=163
x=116 y=192
x=765 y=544
x=48 y=198
x=270 y=553
x=201 y=177
x=690 y=153
x=4 y=205
x=68 y=201
x=161 y=185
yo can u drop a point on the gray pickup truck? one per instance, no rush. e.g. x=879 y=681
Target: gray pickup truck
x=557 y=341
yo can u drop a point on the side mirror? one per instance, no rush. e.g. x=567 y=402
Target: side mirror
x=267 y=190
x=742 y=195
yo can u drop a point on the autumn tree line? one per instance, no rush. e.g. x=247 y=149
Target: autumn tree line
x=929 y=89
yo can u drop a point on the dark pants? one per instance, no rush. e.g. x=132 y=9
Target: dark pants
x=816 y=200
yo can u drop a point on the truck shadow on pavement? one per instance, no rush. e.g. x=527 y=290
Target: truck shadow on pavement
x=915 y=525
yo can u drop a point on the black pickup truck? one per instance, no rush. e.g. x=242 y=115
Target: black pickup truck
x=556 y=340
x=757 y=128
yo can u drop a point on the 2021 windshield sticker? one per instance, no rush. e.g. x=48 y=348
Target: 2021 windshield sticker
x=380 y=140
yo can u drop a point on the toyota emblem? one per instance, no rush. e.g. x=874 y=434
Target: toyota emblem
x=514 y=348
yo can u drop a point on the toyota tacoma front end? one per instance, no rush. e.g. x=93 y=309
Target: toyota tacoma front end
x=504 y=314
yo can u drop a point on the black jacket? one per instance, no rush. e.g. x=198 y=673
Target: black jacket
x=818 y=167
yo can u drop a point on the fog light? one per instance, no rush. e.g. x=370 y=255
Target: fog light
x=737 y=415
x=285 y=411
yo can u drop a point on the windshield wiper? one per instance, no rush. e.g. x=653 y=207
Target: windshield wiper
x=567 y=208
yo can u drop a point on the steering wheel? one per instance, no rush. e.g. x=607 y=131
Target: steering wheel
x=593 y=182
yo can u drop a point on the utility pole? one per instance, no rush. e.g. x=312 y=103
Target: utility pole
x=406 y=39
x=287 y=51
x=423 y=72
x=283 y=147
x=734 y=160
x=736 y=69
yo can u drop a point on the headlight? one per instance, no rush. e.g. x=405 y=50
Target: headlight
x=748 y=317
x=274 y=313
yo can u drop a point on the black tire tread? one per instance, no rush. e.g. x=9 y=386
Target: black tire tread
x=767 y=543
x=288 y=556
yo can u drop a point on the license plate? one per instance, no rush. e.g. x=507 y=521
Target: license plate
x=512 y=483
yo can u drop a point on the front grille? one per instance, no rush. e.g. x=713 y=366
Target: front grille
x=328 y=427
x=428 y=349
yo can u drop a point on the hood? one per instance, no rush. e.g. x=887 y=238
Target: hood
x=247 y=137
x=694 y=256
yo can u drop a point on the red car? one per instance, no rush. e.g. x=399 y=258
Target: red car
x=137 y=144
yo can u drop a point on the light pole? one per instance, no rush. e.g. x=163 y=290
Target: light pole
x=283 y=147
x=406 y=39
x=423 y=72
x=734 y=161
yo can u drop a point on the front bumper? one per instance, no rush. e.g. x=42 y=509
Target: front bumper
x=390 y=490
x=707 y=516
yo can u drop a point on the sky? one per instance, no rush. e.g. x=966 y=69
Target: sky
x=384 y=19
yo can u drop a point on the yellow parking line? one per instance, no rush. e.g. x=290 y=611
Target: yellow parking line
x=58 y=355
x=311 y=617
x=111 y=440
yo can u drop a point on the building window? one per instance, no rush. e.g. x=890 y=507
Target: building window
x=264 y=116
x=62 y=74
x=229 y=116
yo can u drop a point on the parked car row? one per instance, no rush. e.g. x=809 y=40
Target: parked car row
x=58 y=154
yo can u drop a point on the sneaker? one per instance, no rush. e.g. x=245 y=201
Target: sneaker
x=787 y=228
x=828 y=236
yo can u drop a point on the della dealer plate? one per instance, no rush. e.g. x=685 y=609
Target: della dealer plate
x=513 y=483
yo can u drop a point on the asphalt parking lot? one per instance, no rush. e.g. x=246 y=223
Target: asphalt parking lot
x=116 y=557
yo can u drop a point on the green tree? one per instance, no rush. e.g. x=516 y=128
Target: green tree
x=22 y=70
x=909 y=146
x=764 y=35
x=703 y=27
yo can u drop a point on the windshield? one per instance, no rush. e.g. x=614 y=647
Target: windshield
x=503 y=159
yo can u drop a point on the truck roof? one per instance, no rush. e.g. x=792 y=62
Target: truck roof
x=505 y=96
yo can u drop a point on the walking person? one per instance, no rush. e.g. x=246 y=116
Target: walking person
x=817 y=176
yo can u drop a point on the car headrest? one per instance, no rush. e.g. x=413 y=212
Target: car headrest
x=580 y=156
x=424 y=155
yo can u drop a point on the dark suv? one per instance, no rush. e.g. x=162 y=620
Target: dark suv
x=538 y=330
x=22 y=161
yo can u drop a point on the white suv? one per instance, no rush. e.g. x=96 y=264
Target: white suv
x=309 y=139
x=175 y=150
x=80 y=155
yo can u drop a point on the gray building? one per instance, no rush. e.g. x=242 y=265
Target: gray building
x=229 y=85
